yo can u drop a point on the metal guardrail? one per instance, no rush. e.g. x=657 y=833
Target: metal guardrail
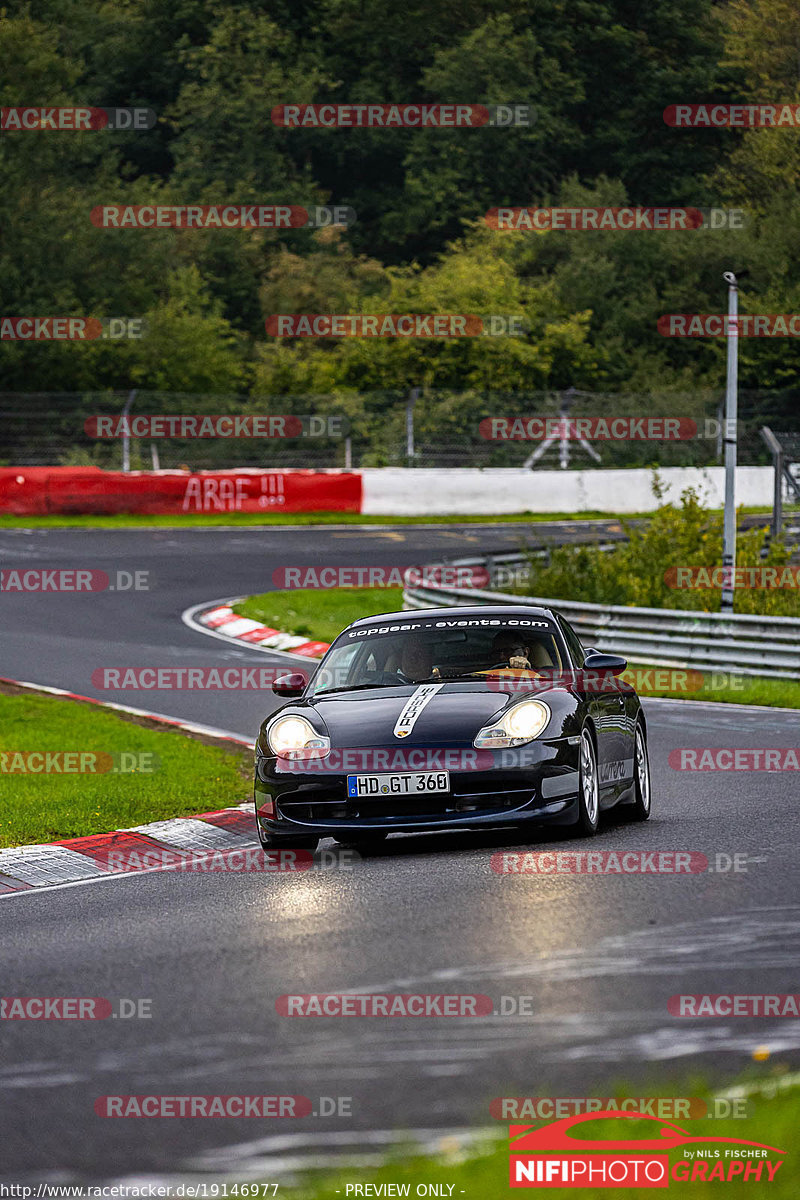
x=748 y=645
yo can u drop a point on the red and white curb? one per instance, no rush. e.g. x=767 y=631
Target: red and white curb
x=78 y=860
x=218 y=618
x=159 y=845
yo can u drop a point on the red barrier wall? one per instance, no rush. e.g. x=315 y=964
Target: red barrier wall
x=28 y=491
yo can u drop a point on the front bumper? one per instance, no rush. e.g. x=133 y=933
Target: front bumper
x=544 y=790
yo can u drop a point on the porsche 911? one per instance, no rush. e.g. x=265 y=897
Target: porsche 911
x=451 y=718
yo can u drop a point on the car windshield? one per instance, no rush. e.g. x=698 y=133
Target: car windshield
x=436 y=650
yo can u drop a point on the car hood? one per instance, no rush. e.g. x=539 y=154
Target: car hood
x=452 y=716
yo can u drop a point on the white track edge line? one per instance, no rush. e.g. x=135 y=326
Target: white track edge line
x=730 y=706
x=35 y=889
x=175 y=722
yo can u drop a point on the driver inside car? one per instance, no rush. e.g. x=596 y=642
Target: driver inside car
x=416 y=661
x=510 y=650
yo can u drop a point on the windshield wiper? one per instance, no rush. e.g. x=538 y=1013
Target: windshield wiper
x=478 y=674
x=493 y=672
x=356 y=687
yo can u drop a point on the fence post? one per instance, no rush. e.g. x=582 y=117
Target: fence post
x=777 y=465
x=731 y=433
x=126 y=437
x=413 y=396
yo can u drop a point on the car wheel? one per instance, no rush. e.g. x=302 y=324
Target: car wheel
x=588 y=788
x=290 y=842
x=640 y=809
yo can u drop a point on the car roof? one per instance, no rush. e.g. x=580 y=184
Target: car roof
x=462 y=611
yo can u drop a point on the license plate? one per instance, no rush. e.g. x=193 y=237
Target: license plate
x=418 y=783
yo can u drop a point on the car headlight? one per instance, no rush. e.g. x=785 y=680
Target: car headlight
x=295 y=737
x=520 y=723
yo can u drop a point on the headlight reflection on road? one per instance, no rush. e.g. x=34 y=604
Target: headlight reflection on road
x=315 y=894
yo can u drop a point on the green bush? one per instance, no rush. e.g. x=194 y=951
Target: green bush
x=633 y=573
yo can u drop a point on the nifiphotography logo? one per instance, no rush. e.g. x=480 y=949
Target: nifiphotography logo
x=552 y=1156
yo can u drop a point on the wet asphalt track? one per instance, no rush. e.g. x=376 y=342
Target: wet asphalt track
x=600 y=956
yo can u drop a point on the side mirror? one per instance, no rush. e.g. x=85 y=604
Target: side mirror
x=289 y=685
x=614 y=664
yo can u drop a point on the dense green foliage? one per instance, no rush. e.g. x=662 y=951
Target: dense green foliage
x=641 y=571
x=599 y=74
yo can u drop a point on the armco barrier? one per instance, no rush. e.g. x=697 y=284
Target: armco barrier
x=30 y=491
x=749 y=645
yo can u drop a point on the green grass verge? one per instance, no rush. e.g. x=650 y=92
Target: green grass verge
x=178 y=776
x=322 y=614
x=772 y=1120
x=319 y=614
x=732 y=689
x=189 y=520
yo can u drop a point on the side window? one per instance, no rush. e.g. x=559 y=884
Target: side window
x=573 y=642
x=345 y=665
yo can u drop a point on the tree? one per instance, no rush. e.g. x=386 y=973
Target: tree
x=762 y=43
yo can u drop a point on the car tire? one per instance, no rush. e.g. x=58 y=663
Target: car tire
x=642 y=803
x=588 y=788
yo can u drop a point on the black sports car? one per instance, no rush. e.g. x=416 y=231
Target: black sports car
x=451 y=718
